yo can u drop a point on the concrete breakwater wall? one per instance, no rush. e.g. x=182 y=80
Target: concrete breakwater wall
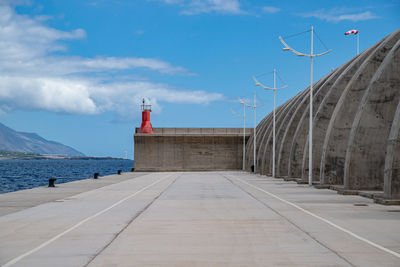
x=356 y=126
x=189 y=149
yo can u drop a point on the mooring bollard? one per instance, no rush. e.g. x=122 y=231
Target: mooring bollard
x=51 y=182
x=119 y=172
x=96 y=175
x=133 y=169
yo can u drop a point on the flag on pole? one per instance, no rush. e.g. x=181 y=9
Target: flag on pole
x=351 y=32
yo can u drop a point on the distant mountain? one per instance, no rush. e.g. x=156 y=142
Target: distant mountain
x=12 y=140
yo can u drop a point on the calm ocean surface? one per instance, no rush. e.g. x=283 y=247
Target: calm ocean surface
x=23 y=174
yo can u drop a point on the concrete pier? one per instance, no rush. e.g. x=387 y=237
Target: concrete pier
x=227 y=218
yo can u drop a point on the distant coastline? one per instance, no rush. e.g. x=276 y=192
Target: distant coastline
x=32 y=156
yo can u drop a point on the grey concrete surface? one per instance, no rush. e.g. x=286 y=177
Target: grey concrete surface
x=23 y=199
x=202 y=219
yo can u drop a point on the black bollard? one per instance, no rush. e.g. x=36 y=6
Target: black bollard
x=133 y=169
x=119 y=172
x=51 y=182
x=96 y=175
x=252 y=168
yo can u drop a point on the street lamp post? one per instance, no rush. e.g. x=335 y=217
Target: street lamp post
x=255 y=135
x=244 y=132
x=358 y=41
x=273 y=142
x=311 y=56
x=254 y=132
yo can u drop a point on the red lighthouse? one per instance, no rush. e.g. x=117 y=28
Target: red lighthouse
x=146 y=124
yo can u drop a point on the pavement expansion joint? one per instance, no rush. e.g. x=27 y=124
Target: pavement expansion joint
x=131 y=221
x=48 y=242
x=394 y=253
x=286 y=218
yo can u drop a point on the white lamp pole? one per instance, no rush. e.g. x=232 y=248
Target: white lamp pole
x=255 y=135
x=311 y=56
x=254 y=131
x=244 y=135
x=273 y=144
x=358 y=43
x=244 y=132
x=255 y=127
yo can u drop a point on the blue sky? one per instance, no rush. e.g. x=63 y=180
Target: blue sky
x=75 y=71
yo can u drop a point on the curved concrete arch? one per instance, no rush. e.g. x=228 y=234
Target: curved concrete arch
x=268 y=143
x=249 y=146
x=391 y=188
x=261 y=128
x=331 y=85
x=249 y=149
x=323 y=115
x=285 y=143
x=263 y=143
x=267 y=162
x=301 y=133
x=260 y=139
x=335 y=143
x=281 y=130
x=365 y=154
x=338 y=131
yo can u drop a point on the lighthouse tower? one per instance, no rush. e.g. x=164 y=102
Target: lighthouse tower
x=146 y=124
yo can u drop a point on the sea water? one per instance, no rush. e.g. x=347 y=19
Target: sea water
x=24 y=174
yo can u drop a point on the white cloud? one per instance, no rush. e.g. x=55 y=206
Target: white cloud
x=32 y=77
x=125 y=97
x=85 y=96
x=194 y=7
x=271 y=9
x=25 y=38
x=46 y=93
x=337 y=15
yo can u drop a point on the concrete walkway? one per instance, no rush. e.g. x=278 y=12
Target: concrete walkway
x=202 y=219
x=19 y=200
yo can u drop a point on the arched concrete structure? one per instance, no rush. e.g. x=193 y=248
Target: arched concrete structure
x=281 y=130
x=356 y=141
x=295 y=128
x=249 y=145
x=266 y=138
x=323 y=114
x=335 y=142
x=301 y=135
x=365 y=153
x=392 y=161
x=266 y=164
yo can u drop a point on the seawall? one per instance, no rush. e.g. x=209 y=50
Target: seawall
x=189 y=149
